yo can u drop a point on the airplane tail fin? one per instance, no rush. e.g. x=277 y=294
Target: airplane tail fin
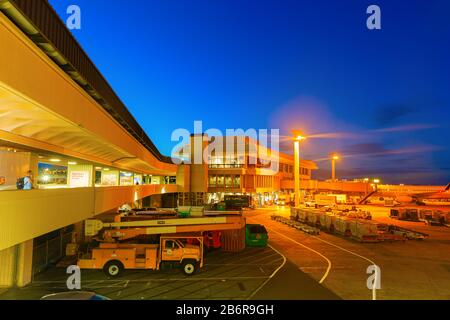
x=447 y=187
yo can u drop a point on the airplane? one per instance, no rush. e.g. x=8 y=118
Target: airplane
x=439 y=197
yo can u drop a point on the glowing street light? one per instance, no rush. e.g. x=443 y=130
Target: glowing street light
x=376 y=182
x=298 y=136
x=334 y=157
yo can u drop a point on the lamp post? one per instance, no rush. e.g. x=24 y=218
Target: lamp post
x=298 y=136
x=334 y=157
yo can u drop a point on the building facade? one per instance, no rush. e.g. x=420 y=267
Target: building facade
x=246 y=168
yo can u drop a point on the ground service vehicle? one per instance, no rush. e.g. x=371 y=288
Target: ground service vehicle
x=256 y=235
x=237 y=202
x=321 y=200
x=282 y=200
x=113 y=258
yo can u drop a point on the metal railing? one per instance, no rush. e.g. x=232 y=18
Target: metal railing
x=225 y=166
x=50 y=252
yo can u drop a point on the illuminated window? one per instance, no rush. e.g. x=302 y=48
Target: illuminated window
x=237 y=181
x=126 y=179
x=228 y=181
x=220 y=181
x=212 y=181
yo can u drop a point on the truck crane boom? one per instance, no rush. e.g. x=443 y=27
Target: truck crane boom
x=131 y=229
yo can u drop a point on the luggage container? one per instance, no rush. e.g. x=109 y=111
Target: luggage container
x=425 y=214
x=303 y=215
x=411 y=215
x=311 y=218
x=330 y=222
x=184 y=211
x=447 y=217
x=394 y=213
x=364 y=231
x=233 y=240
x=294 y=213
x=197 y=211
x=323 y=220
x=342 y=226
x=437 y=215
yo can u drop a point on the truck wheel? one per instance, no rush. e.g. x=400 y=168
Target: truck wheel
x=113 y=268
x=189 y=267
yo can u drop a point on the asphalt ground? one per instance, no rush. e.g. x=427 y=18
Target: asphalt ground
x=255 y=273
x=295 y=266
x=412 y=269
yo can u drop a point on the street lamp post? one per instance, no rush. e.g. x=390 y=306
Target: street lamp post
x=298 y=194
x=333 y=166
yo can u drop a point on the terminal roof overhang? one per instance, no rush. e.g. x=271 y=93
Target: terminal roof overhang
x=40 y=23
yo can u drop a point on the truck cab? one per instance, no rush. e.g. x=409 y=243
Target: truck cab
x=175 y=251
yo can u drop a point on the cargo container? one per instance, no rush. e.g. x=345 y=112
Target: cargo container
x=313 y=217
x=323 y=221
x=407 y=214
x=342 y=226
x=233 y=240
x=299 y=214
x=447 y=217
x=425 y=214
x=303 y=215
x=364 y=231
x=330 y=222
x=294 y=213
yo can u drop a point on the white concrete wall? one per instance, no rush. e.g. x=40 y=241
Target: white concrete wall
x=25 y=215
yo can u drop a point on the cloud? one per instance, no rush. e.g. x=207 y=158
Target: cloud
x=407 y=127
x=392 y=113
x=365 y=148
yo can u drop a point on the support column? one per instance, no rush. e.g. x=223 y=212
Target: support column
x=7 y=263
x=297 y=173
x=79 y=232
x=24 y=266
x=16 y=265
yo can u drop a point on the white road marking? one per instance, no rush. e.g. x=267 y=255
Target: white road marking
x=91 y=282
x=325 y=275
x=374 y=290
x=271 y=276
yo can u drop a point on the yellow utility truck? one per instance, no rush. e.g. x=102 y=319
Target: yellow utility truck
x=113 y=258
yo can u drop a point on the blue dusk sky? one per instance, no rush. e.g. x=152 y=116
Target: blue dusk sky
x=380 y=98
